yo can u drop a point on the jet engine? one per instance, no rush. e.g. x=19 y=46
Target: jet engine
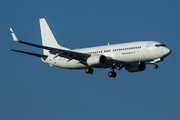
x=96 y=60
x=136 y=67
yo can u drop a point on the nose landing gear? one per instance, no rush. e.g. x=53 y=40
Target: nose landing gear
x=155 y=61
x=155 y=66
x=112 y=73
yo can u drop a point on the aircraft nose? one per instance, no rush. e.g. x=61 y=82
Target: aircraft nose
x=167 y=51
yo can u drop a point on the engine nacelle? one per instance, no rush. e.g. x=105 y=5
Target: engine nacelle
x=136 y=67
x=96 y=60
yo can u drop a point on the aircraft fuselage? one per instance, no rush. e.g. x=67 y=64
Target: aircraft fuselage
x=118 y=54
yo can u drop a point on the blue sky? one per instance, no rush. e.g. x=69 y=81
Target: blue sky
x=30 y=89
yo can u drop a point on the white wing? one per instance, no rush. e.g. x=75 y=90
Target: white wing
x=69 y=54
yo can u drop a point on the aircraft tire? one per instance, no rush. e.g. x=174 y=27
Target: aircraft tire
x=112 y=74
x=89 y=70
x=155 y=66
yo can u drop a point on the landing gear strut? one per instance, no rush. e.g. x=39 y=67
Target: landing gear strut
x=112 y=73
x=89 y=70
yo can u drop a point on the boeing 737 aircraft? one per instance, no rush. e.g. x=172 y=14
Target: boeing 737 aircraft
x=131 y=56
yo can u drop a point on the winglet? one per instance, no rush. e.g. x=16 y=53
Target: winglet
x=14 y=36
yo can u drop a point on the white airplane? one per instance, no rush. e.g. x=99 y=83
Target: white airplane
x=131 y=55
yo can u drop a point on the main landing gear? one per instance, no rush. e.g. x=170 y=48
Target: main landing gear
x=112 y=73
x=89 y=70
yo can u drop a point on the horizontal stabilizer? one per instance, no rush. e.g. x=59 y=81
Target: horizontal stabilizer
x=33 y=54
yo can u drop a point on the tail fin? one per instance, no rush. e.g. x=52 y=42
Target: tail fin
x=47 y=36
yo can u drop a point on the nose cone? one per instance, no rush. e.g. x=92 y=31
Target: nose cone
x=167 y=51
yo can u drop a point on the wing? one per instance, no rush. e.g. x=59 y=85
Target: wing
x=29 y=53
x=69 y=54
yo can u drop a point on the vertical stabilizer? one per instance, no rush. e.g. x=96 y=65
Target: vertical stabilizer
x=47 y=36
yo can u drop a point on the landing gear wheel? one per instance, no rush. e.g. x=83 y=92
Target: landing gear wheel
x=89 y=70
x=112 y=74
x=155 y=66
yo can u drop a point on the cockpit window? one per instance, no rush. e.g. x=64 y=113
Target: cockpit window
x=158 y=45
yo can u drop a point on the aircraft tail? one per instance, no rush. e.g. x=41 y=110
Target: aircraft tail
x=47 y=36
